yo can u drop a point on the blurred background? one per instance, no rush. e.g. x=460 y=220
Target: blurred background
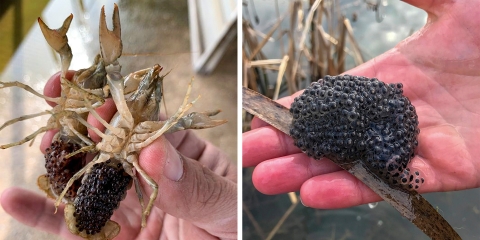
x=341 y=35
x=171 y=33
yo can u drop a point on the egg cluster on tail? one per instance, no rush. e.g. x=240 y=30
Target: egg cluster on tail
x=102 y=190
x=61 y=169
x=349 y=118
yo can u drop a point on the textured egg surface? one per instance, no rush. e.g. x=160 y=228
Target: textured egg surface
x=102 y=190
x=61 y=169
x=349 y=118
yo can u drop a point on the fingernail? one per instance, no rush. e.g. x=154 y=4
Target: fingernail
x=173 y=165
x=299 y=197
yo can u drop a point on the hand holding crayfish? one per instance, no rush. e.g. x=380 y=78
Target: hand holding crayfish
x=197 y=198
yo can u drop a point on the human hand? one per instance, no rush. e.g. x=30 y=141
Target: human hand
x=438 y=66
x=197 y=192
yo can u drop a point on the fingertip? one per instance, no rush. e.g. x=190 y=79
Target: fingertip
x=260 y=178
x=14 y=201
x=269 y=178
x=6 y=198
x=53 y=88
x=47 y=140
x=33 y=210
x=265 y=143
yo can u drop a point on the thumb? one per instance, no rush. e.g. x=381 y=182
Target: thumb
x=190 y=190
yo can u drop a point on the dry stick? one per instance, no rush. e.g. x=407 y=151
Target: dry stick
x=250 y=38
x=290 y=74
x=253 y=44
x=320 y=52
x=270 y=67
x=279 y=33
x=409 y=203
x=283 y=66
x=254 y=103
x=331 y=67
x=323 y=48
x=265 y=39
x=248 y=74
x=308 y=22
x=282 y=220
x=313 y=44
x=254 y=222
x=358 y=54
x=330 y=14
x=265 y=62
x=306 y=29
x=341 y=46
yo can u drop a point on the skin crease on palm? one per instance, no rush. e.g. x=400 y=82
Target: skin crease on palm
x=439 y=67
x=203 y=200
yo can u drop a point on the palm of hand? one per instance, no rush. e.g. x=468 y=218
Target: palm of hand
x=438 y=74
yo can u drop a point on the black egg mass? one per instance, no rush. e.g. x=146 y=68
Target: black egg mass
x=60 y=169
x=349 y=118
x=102 y=190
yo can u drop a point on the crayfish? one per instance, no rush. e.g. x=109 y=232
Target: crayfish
x=93 y=190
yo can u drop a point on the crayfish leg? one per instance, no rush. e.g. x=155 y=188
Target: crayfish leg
x=152 y=184
x=26 y=139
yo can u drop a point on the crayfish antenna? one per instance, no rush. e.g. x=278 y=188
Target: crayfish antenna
x=58 y=40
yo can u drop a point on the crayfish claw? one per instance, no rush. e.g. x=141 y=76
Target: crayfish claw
x=110 y=41
x=197 y=120
x=58 y=40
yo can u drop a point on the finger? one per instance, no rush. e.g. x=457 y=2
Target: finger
x=265 y=143
x=47 y=140
x=106 y=112
x=340 y=189
x=52 y=87
x=35 y=211
x=190 y=190
x=288 y=173
x=336 y=190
